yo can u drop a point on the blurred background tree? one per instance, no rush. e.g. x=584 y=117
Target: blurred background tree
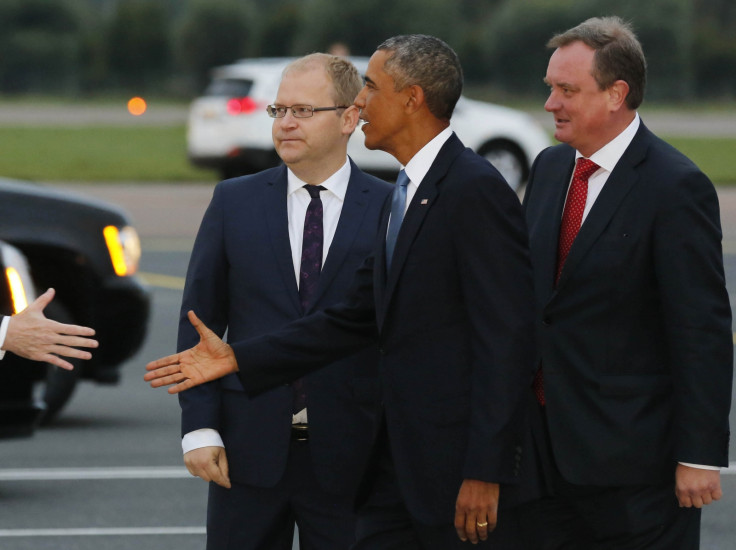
x=211 y=33
x=138 y=45
x=168 y=47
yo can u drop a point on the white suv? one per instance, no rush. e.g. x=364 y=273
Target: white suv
x=229 y=129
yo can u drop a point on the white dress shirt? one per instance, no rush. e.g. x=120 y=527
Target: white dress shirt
x=3 y=334
x=297 y=200
x=420 y=163
x=606 y=157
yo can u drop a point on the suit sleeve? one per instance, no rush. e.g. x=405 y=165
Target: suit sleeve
x=490 y=238
x=697 y=315
x=313 y=341
x=205 y=292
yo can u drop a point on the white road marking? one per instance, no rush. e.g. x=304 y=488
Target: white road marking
x=47 y=474
x=101 y=531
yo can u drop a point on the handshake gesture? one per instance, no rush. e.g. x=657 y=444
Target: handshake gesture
x=209 y=360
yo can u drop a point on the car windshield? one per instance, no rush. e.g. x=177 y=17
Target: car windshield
x=229 y=87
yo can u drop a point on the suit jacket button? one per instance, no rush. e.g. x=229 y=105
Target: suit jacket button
x=547 y=321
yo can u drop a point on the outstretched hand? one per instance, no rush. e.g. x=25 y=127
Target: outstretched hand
x=209 y=360
x=34 y=336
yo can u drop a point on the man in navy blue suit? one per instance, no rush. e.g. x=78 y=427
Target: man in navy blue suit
x=292 y=455
x=447 y=294
x=633 y=319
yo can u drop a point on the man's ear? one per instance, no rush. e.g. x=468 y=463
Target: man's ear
x=617 y=93
x=350 y=118
x=414 y=98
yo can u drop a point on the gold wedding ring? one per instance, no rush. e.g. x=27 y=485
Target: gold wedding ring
x=479 y=524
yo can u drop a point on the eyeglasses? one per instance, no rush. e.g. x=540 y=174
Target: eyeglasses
x=299 y=111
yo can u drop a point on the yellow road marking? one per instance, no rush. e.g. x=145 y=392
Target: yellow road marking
x=163 y=281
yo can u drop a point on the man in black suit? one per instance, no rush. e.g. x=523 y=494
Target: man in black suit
x=292 y=455
x=633 y=318
x=447 y=293
x=31 y=335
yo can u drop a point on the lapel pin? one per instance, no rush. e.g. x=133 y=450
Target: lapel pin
x=424 y=201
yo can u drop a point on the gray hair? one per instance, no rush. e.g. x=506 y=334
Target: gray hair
x=427 y=62
x=618 y=54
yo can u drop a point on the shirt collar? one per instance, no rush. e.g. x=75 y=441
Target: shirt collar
x=608 y=156
x=421 y=162
x=337 y=183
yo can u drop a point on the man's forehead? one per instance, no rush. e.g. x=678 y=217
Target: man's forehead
x=309 y=81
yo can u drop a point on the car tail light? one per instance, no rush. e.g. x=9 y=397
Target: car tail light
x=241 y=105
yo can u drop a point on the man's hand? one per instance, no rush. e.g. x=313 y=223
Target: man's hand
x=476 y=510
x=209 y=463
x=209 y=360
x=696 y=486
x=33 y=336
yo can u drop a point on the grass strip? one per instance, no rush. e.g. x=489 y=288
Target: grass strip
x=153 y=153
x=102 y=154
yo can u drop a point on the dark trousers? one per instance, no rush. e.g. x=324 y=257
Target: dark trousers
x=257 y=518
x=574 y=517
x=384 y=522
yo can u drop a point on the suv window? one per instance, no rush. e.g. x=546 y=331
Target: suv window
x=229 y=87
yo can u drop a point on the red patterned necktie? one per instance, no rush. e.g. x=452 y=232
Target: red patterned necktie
x=572 y=218
x=572 y=215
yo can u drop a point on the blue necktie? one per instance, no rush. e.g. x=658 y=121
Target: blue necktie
x=312 y=245
x=398 y=205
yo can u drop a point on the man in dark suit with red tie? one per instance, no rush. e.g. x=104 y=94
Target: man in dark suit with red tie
x=447 y=294
x=633 y=318
x=271 y=248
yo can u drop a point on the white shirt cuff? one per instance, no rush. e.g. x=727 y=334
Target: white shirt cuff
x=206 y=437
x=700 y=466
x=3 y=333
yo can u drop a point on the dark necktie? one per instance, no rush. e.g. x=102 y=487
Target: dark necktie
x=398 y=206
x=312 y=245
x=572 y=219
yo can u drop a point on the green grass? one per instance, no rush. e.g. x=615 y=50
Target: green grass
x=714 y=156
x=108 y=153
x=122 y=153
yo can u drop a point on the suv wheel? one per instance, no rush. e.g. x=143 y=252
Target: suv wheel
x=58 y=386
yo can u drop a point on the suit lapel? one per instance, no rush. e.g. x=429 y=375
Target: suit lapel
x=277 y=221
x=416 y=213
x=618 y=185
x=351 y=217
x=547 y=229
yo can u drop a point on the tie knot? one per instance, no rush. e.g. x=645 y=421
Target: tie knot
x=585 y=168
x=314 y=190
x=403 y=179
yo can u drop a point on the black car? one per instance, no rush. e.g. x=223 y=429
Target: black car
x=19 y=413
x=87 y=251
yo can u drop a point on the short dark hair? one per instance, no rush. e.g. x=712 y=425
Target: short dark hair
x=618 y=54
x=427 y=62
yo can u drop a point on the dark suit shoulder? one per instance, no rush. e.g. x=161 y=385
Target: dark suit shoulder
x=672 y=160
x=250 y=180
x=667 y=172
x=471 y=177
x=369 y=181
